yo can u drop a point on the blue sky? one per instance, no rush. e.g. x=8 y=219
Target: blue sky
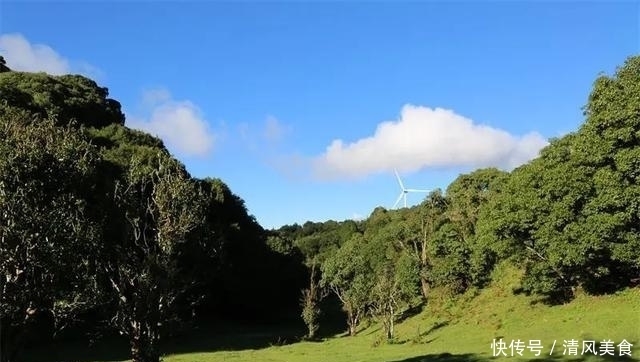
x=305 y=108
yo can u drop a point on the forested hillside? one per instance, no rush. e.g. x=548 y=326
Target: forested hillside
x=102 y=229
x=101 y=225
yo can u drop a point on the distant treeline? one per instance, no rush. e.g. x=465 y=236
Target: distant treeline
x=99 y=223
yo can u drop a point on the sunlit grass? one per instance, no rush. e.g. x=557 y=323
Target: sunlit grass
x=452 y=330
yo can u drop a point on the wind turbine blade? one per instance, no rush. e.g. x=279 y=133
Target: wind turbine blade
x=398 y=200
x=399 y=181
x=416 y=190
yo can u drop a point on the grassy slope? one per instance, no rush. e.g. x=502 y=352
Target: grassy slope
x=447 y=331
x=463 y=330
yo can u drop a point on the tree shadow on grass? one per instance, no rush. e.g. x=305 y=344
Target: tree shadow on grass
x=434 y=328
x=447 y=357
x=420 y=335
x=111 y=348
x=239 y=337
x=411 y=312
x=233 y=339
x=203 y=339
x=333 y=318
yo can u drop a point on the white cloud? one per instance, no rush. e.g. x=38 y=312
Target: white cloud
x=243 y=130
x=154 y=97
x=274 y=130
x=270 y=132
x=425 y=137
x=180 y=124
x=263 y=138
x=22 y=55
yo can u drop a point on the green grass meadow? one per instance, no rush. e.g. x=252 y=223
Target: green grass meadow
x=448 y=330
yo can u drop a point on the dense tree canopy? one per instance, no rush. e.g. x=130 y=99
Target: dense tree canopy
x=62 y=98
x=46 y=178
x=160 y=246
x=572 y=213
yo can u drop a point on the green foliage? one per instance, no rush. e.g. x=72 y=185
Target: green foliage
x=311 y=297
x=572 y=215
x=164 y=247
x=462 y=260
x=610 y=143
x=408 y=279
x=319 y=240
x=396 y=277
x=62 y=98
x=250 y=269
x=450 y=264
x=46 y=240
x=280 y=244
x=468 y=193
x=156 y=207
x=119 y=145
x=348 y=274
x=98 y=216
x=116 y=135
x=461 y=333
x=310 y=312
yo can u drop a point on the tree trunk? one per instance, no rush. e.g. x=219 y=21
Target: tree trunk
x=424 y=286
x=3 y=349
x=136 y=343
x=12 y=342
x=391 y=317
x=386 y=326
x=310 y=308
x=143 y=348
x=352 y=329
x=352 y=320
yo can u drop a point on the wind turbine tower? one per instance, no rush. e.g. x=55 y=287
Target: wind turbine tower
x=404 y=191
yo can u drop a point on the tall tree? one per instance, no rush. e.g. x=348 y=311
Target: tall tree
x=468 y=193
x=395 y=288
x=348 y=274
x=156 y=207
x=310 y=300
x=610 y=142
x=46 y=236
x=459 y=260
x=423 y=227
x=571 y=215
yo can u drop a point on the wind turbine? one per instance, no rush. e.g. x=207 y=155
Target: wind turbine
x=403 y=191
